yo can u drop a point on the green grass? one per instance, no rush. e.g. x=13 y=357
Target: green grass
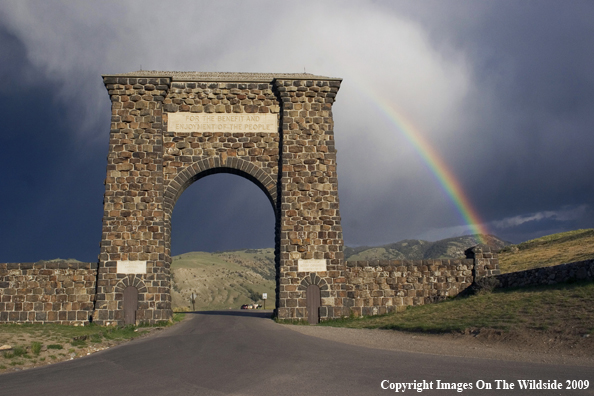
x=299 y=322
x=76 y=335
x=555 y=249
x=550 y=308
x=178 y=317
x=96 y=338
x=17 y=351
x=36 y=347
x=79 y=343
x=61 y=338
x=556 y=238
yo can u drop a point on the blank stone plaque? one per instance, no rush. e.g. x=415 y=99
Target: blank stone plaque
x=131 y=267
x=311 y=265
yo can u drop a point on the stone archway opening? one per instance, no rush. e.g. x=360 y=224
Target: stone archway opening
x=222 y=243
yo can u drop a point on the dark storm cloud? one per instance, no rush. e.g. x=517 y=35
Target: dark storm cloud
x=503 y=90
x=530 y=119
x=46 y=186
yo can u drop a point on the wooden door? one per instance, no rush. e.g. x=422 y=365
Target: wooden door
x=130 y=304
x=313 y=304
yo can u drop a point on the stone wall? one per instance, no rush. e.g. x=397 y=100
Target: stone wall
x=47 y=292
x=381 y=286
x=580 y=270
x=64 y=292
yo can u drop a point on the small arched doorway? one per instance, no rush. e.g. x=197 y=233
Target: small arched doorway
x=313 y=301
x=130 y=305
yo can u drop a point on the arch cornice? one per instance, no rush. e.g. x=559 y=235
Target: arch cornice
x=212 y=165
x=131 y=280
x=312 y=279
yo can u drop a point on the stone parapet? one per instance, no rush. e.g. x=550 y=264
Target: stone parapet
x=381 y=286
x=47 y=292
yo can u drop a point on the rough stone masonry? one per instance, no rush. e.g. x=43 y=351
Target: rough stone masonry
x=169 y=129
x=47 y=292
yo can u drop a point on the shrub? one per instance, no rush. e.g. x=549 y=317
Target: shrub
x=36 y=347
x=78 y=343
x=16 y=352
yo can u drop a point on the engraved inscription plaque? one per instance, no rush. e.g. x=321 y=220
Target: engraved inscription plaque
x=311 y=265
x=131 y=267
x=222 y=122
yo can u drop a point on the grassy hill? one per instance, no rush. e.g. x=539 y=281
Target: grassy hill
x=547 y=251
x=414 y=249
x=222 y=280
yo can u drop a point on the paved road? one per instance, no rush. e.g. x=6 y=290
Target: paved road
x=244 y=353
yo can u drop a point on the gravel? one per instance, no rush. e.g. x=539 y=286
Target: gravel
x=484 y=345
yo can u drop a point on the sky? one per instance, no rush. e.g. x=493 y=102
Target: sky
x=501 y=92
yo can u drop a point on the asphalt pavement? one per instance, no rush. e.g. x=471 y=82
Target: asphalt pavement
x=246 y=353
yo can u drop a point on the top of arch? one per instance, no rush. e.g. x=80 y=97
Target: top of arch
x=222 y=76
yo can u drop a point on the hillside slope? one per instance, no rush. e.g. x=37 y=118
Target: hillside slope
x=222 y=280
x=547 y=251
x=414 y=249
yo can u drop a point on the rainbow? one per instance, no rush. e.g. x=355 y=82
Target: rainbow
x=446 y=178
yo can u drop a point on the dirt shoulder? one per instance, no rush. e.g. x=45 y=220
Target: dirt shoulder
x=486 y=344
x=40 y=345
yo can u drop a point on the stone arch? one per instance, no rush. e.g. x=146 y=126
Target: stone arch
x=169 y=129
x=313 y=279
x=130 y=280
x=212 y=165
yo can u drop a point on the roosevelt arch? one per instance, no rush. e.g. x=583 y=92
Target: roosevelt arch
x=169 y=129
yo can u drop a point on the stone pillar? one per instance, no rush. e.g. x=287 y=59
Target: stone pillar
x=133 y=204
x=309 y=217
x=486 y=261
